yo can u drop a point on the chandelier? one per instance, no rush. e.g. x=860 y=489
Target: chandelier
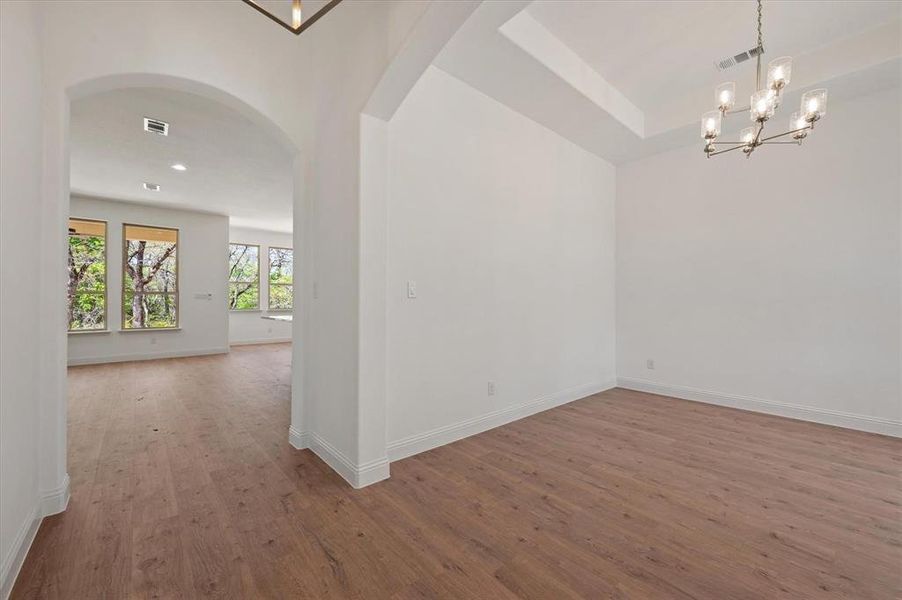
x=289 y=13
x=764 y=102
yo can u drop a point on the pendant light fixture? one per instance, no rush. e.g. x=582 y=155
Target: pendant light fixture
x=762 y=107
x=297 y=22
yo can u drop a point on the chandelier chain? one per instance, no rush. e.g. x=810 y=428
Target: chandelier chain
x=760 y=50
x=760 y=37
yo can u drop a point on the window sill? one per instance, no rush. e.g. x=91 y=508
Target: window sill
x=88 y=331
x=149 y=329
x=281 y=311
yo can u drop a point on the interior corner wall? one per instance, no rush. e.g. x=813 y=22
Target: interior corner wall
x=770 y=283
x=20 y=214
x=202 y=270
x=506 y=231
x=249 y=327
x=347 y=61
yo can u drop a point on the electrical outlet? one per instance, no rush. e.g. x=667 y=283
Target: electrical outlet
x=411 y=289
x=491 y=388
x=650 y=364
x=315 y=290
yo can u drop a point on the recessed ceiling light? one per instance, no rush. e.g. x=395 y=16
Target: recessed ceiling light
x=153 y=187
x=179 y=167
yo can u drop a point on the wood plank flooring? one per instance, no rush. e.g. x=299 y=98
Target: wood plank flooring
x=184 y=486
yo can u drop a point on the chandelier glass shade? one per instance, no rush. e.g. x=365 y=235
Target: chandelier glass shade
x=762 y=107
x=725 y=96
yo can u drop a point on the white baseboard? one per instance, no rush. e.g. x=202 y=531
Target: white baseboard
x=372 y=472
x=771 y=407
x=299 y=440
x=260 y=341
x=98 y=360
x=56 y=500
x=51 y=503
x=14 y=559
x=440 y=436
x=357 y=475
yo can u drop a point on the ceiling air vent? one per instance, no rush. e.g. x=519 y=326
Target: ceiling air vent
x=156 y=126
x=732 y=61
x=152 y=187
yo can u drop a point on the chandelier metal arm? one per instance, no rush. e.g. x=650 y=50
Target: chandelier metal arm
x=758 y=139
x=725 y=150
x=791 y=131
x=762 y=141
x=300 y=27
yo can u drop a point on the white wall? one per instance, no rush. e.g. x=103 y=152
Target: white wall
x=508 y=231
x=203 y=269
x=770 y=283
x=20 y=212
x=248 y=327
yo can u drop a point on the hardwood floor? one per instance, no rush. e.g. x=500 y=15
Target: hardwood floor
x=184 y=486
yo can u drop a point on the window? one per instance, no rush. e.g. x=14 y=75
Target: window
x=150 y=277
x=244 y=277
x=86 y=290
x=280 y=278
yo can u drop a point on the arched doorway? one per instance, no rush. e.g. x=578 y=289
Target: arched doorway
x=54 y=477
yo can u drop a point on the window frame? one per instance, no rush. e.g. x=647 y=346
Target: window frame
x=270 y=284
x=106 y=277
x=178 y=271
x=259 y=258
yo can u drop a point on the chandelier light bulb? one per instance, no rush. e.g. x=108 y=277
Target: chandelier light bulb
x=814 y=104
x=711 y=121
x=762 y=104
x=296 y=17
x=778 y=72
x=747 y=135
x=725 y=95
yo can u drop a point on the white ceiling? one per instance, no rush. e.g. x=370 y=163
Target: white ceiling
x=234 y=167
x=646 y=49
x=584 y=67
